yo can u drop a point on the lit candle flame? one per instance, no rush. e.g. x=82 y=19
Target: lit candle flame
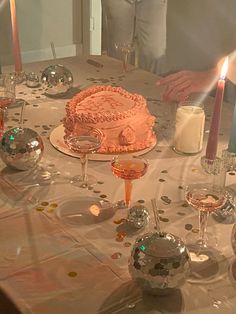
x=224 y=68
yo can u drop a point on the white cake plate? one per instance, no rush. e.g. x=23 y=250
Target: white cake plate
x=57 y=141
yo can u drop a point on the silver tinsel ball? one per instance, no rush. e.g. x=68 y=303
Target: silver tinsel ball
x=138 y=216
x=233 y=238
x=56 y=80
x=21 y=148
x=159 y=262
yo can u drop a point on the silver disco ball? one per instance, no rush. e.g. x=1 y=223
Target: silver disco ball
x=159 y=263
x=233 y=238
x=138 y=216
x=21 y=148
x=56 y=80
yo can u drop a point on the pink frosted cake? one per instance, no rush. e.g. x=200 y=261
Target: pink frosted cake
x=122 y=117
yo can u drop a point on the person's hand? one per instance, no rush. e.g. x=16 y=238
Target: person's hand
x=179 y=86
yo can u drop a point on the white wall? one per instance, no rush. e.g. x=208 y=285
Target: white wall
x=92 y=27
x=41 y=22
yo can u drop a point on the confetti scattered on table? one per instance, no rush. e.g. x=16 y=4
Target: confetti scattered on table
x=164 y=171
x=119 y=221
x=127 y=244
x=103 y=196
x=53 y=205
x=120 y=236
x=141 y=201
x=165 y=199
x=96 y=191
x=39 y=209
x=181 y=214
x=116 y=255
x=72 y=274
x=44 y=203
x=163 y=219
x=188 y=227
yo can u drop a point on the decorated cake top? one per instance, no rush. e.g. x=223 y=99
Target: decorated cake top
x=100 y=102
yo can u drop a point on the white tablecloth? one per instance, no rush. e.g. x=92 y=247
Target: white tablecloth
x=48 y=266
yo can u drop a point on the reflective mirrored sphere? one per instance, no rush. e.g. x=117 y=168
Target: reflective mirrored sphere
x=159 y=262
x=56 y=80
x=21 y=148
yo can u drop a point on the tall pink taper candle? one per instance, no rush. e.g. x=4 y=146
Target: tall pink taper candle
x=15 y=37
x=212 y=143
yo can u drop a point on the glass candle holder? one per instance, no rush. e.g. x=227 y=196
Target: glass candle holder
x=189 y=128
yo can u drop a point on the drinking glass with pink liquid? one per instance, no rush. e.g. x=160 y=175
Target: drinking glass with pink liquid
x=129 y=169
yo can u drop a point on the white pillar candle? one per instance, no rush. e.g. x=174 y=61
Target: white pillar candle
x=189 y=129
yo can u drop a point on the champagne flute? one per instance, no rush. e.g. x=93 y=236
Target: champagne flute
x=129 y=169
x=88 y=141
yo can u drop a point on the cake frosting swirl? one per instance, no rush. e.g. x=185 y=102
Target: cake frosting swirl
x=122 y=117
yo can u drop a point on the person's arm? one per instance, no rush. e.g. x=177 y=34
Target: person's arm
x=179 y=86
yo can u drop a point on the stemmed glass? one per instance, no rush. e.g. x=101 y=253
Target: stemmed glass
x=125 y=49
x=129 y=169
x=7 y=97
x=206 y=198
x=88 y=141
x=7 y=91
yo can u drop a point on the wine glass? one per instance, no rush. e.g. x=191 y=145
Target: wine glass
x=88 y=141
x=206 y=198
x=129 y=168
x=124 y=49
x=7 y=91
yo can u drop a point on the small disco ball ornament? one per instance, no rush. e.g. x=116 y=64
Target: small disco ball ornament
x=159 y=263
x=56 y=80
x=233 y=238
x=138 y=216
x=21 y=148
x=32 y=80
